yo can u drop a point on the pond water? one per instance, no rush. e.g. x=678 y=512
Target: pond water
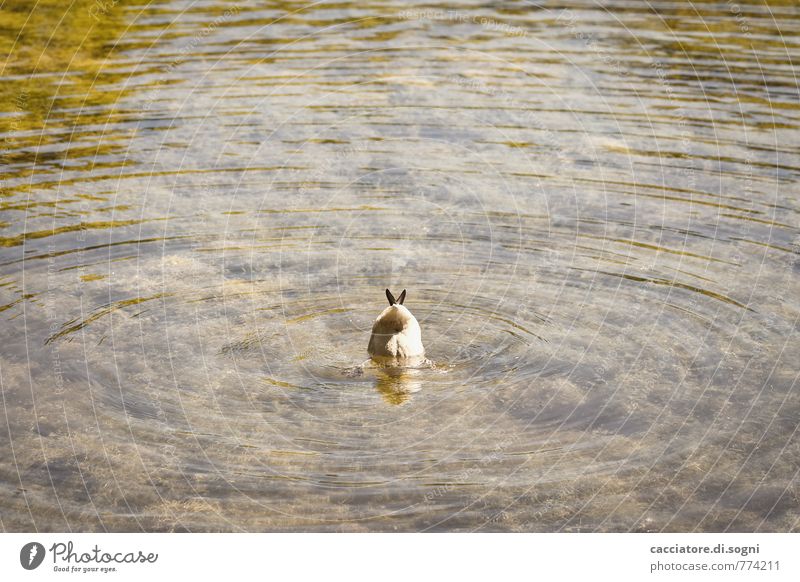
x=593 y=208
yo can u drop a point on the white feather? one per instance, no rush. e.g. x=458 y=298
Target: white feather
x=396 y=335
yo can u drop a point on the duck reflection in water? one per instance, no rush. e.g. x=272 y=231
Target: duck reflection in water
x=396 y=384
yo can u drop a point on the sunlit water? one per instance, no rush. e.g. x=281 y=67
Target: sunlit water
x=594 y=211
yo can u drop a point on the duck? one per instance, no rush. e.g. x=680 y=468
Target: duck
x=396 y=336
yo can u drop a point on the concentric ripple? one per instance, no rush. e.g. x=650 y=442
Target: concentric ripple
x=592 y=206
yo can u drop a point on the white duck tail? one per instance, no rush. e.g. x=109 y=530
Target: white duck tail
x=396 y=334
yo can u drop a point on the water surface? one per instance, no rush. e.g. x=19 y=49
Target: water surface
x=593 y=208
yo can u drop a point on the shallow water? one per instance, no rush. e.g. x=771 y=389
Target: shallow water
x=594 y=211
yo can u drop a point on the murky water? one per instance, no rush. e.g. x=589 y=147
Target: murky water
x=594 y=211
